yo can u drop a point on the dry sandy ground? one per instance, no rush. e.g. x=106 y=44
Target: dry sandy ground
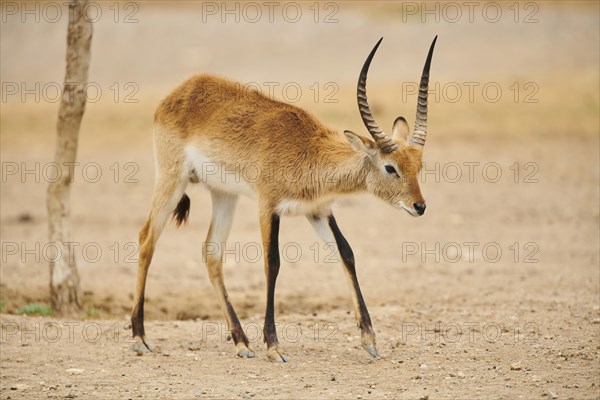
x=447 y=329
x=454 y=317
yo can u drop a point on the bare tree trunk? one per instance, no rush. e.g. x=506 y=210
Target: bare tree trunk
x=64 y=278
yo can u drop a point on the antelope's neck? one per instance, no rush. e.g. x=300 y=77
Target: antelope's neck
x=345 y=170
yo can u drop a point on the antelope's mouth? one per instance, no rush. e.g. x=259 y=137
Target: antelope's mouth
x=409 y=210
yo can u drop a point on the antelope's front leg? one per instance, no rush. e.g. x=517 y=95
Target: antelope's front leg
x=328 y=230
x=269 y=226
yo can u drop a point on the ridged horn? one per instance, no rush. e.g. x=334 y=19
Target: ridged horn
x=420 y=132
x=384 y=142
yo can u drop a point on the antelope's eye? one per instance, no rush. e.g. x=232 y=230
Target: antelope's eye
x=391 y=170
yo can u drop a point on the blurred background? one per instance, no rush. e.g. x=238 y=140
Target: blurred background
x=514 y=92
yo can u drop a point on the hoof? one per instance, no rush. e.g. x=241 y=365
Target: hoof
x=245 y=352
x=141 y=347
x=372 y=350
x=277 y=355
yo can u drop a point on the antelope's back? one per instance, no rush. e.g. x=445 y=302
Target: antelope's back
x=209 y=105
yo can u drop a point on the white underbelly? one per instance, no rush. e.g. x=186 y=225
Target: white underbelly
x=304 y=207
x=216 y=175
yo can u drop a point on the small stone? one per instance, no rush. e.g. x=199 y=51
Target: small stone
x=332 y=377
x=516 y=366
x=552 y=394
x=75 y=371
x=424 y=397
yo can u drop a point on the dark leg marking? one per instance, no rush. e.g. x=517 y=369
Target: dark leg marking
x=364 y=320
x=272 y=272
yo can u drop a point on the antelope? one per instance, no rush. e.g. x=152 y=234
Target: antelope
x=207 y=121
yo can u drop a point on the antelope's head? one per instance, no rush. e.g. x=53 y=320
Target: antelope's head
x=396 y=159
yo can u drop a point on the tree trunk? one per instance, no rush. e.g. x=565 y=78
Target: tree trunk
x=64 y=278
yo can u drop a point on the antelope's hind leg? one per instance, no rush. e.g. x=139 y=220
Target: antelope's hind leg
x=328 y=230
x=212 y=253
x=168 y=192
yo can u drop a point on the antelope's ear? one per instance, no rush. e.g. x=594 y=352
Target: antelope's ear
x=360 y=143
x=400 y=129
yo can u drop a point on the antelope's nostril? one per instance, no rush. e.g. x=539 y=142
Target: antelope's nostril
x=420 y=208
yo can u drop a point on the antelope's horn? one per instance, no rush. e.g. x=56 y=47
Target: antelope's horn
x=420 y=132
x=384 y=142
